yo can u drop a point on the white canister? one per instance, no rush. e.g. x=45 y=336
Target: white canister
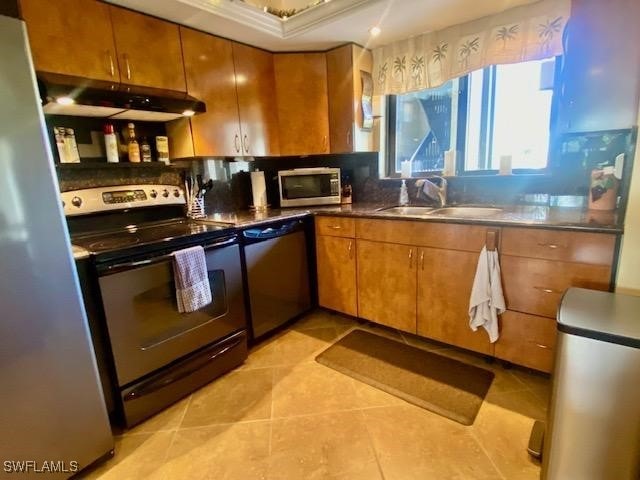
x=405 y=169
x=449 y=163
x=505 y=164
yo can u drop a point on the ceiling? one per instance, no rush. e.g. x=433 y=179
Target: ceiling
x=322 y=26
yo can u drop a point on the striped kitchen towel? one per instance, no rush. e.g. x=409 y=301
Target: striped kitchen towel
x=191 y=279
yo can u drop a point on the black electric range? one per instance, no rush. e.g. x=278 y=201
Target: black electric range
x=155 y=354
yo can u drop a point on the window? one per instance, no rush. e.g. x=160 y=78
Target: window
x=500 y=110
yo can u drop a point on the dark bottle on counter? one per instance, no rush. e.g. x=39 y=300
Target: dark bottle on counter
x=145 y=150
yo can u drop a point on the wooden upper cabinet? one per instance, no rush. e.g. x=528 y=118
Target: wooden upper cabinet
x=71 y=37
x=208 y=65
x=445 y=280
x=344 y=86
x=255 y=82
x=387 y=284
x=340 y=90
x=303 y=111
x=149 y=51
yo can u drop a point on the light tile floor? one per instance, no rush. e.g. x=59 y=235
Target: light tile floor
x=283 y=416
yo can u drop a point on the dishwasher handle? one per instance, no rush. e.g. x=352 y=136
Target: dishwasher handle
x=253 y=235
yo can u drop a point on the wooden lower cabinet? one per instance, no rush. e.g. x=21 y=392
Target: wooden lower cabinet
x=387 y=284
x=336 y=265
x=527 y=340
x=445 y=279
x=536 y=286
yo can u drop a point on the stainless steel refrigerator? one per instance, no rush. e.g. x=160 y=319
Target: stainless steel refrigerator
x=52 y=412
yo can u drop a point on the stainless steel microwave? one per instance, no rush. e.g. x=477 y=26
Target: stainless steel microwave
x=309 y=186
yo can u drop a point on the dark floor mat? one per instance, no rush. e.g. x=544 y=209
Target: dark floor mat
x=440 y=384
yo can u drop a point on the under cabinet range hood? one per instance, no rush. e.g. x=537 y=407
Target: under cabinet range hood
x=66 y=95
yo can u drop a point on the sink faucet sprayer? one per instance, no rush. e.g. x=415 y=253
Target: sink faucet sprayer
x=428 y=188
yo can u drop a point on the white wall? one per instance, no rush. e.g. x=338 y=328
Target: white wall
x=628 y=280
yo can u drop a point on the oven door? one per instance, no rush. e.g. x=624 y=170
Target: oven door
x=145 y=328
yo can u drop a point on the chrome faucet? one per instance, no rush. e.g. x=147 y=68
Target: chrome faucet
x=428 y=188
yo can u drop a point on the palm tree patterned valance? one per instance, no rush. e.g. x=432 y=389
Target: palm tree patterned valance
x=524 y=33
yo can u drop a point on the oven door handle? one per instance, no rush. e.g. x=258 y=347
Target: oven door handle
x=157 y=384
x=163 y=258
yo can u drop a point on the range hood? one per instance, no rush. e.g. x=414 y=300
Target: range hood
x=66 y=95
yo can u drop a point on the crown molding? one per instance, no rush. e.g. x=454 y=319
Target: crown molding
x=254 y=17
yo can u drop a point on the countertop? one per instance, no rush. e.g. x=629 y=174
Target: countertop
x=561 y=218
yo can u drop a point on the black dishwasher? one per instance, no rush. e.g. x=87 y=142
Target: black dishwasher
x=277 y=267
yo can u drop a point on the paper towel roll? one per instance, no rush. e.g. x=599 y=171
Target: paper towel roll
x=259 y=190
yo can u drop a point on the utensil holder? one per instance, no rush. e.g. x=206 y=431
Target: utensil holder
x=196 y=208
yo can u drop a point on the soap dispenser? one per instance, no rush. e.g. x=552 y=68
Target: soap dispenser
x=404 y=194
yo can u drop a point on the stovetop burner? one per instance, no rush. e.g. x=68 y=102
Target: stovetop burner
x=111 y=243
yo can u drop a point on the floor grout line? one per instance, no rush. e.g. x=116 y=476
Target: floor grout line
x=484 y=450
x=372 y=443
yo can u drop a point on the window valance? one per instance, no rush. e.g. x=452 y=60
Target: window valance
x=524 y=33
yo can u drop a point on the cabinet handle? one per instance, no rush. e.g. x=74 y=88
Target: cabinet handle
x=422 y=260
x=547 y=290
x=324 y=143
x=410 y=257
x=245 y=143
x=539 y=345
x=128 y=66
x=335 y=227
x=112 y=67
x=236 y=144
x=350 y=249
x=553 y=246
x=349 y=137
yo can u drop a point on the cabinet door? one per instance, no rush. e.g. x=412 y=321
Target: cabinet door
x=255 y=81
x=341 y=100
x=303 y=110
x=336 y=265
x=71 y=37
x=387 y=284
x=208 y=64
x=445 y=279
x=149 y=51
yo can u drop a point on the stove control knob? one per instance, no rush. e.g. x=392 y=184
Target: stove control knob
x=153 y=194
x=76 y=202
x=176 y=193
x=165 y=193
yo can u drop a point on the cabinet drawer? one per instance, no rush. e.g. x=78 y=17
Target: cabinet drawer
x=536 y=286
x=591 y=248
x=336 y=226
x=527 y=340
x=424 y=234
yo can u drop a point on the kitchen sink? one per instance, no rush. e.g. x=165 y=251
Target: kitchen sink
x=466 y=212
x=410 y=211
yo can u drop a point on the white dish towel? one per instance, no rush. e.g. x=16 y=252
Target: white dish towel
x=487 y=300
x=191 y=279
